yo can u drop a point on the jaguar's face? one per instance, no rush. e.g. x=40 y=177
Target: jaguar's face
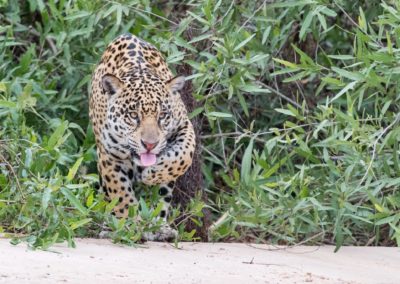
x=140 y=120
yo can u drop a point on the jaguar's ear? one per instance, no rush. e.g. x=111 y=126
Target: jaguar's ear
x=111 y=84
x=176 y=83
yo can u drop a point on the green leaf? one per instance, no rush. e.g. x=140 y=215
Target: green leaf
x=304 y=58
x=219 y=114
x=362 y=22
x=80 y=223
x=57 y=135
x=339 y=239
x=253 y=89
x=200 y=38
x=285 y=111
x=329 y=12
x=72 y=171
x=266 y=34
x=77 y=15
x=7 y=104
x=144 y=209
x=3 y=87
x=196 y=112
x=89 y=200
x=119 y=15
x=156 y=212
x=25 y=100
x=342 y=57
x=243 y=43
x=286 y=63
x=355 y=76
x=322 y=20
x=201 y=20
x=296 y=77
x=276 y=166
x=243 y=104
x=181 y=42
x=292 y=3
x=110 y=206
x=25 y=60
x=348 y=87
x=306 y=24
x=74 y=201
x=246 y=162
x=46 y=198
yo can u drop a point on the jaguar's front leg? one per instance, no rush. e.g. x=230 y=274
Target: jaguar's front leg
x=165 y=193
x=117 y=181
x=165 y=232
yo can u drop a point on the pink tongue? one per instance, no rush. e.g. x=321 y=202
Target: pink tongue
x=148 y=159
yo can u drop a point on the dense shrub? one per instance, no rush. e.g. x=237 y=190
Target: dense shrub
x=301 y=116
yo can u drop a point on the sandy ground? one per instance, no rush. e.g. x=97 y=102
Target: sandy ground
x=99 y=261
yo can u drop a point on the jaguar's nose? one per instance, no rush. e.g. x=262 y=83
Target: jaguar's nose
x=149 y=146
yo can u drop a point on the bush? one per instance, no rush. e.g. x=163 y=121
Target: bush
x=300 y=105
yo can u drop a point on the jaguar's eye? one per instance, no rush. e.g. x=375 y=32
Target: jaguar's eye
x=134 y=114
x=163 y=115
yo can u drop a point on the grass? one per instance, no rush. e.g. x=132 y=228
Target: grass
x=300 y=108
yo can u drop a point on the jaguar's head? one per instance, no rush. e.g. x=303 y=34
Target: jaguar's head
x=140 y=114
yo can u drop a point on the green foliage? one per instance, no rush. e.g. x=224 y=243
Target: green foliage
x=301 y=117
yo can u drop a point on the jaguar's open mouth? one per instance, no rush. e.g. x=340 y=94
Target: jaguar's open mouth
x=148 y=159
